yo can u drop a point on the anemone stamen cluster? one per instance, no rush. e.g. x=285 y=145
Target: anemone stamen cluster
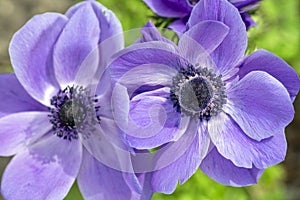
x=198 y=92
x=73 y=110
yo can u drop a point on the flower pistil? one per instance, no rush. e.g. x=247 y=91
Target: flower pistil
x=198 y=92
x=73 y=110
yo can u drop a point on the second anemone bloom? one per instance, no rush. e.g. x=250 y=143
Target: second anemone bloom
x=180 y=11
x=51 y=119
x=203 y=103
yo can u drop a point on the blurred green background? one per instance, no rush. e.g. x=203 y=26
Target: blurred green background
x=277 y=31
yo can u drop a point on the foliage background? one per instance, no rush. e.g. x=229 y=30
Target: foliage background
x=278 y=32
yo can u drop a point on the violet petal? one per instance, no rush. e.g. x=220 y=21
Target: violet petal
x=233 y=144
x=225 y=172
x=30 y=127
x=73 y=46
x=29 y=172
x=232 y=49
x=30 y=51
x=260 y=105
x=263 y=60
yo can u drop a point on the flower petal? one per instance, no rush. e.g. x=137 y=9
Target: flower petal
x=97 y=181
x=223 y=171
x=31 y=55
x=243 y=3
x=233 y=47
x=201 y=40
x=266 y=61
x=260 y=105
x=104 y=94
x=120 y=106
x=46 y=170
x=30 y=127
x=152 y=120
x=108 y=22
x=149 y=74
x=233 y=144
x=179 y=26
x=145 y=181
x=153 y=62
x=150 y=33
x=169 y=8
x=73 y=46
x=89 y=71
x=111 y=32
x=187 y=154
x=14 y=98
x=249 y=22
x=105 y=144
x=208 y=34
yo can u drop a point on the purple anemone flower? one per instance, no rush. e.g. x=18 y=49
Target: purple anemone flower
x=181 y=10
x=203 y=103
x=50 y=117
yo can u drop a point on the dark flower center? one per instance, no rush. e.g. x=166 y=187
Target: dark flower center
x=198 y=92
x=66 y=114
x=74 y=109
x=193 y=2
x=195 y=94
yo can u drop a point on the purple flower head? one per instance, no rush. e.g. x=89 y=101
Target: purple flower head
x=180 y=11
x=203 y=103
x=55 y=114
